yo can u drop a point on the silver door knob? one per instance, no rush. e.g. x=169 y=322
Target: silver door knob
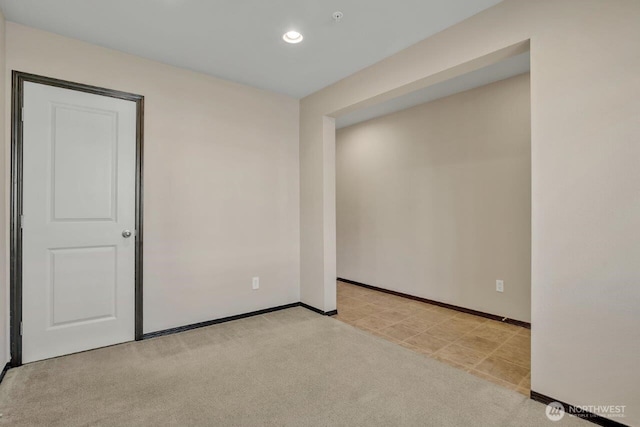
x=126 y=234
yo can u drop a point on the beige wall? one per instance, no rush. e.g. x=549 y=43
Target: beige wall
x=221 y=179
x=4 y=234
x=435 y=201
x=585 y=130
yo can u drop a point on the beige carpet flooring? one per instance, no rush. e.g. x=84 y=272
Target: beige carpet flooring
x=287 y=368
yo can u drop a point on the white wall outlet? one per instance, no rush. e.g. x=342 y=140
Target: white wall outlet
x=255 y=284
x=500 y=285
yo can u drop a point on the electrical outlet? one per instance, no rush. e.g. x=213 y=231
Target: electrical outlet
x=255 y=283
x=500 y=285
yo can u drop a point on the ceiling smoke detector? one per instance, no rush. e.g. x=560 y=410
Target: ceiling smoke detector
x=337 y=16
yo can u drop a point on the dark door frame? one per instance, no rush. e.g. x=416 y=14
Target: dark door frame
x=18 y=80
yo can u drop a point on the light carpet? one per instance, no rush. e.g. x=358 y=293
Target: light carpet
x=286 y=368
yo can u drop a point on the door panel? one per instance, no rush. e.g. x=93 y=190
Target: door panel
x=94 y=196
x=78 y=271
x=82 y=274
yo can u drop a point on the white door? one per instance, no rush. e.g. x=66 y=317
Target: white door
x=78 y=269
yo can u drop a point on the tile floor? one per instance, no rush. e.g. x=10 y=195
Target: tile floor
x=496 y=351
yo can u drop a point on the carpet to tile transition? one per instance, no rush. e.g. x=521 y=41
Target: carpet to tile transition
x=287 y=368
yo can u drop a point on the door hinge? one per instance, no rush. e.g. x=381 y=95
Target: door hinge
x=20 y=328
x=22 y=114
x=21 y=221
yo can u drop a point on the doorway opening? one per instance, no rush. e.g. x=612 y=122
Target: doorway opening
x=433 y=220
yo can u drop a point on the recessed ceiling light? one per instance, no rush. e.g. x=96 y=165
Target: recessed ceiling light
x=292 y=37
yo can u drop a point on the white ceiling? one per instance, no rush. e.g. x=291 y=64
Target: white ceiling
x=241 y=40
x=510 y=67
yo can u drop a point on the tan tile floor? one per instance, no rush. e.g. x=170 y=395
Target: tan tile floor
x=496 y=351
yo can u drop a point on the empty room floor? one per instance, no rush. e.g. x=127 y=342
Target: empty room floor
x=496 y=351
x=288 y=368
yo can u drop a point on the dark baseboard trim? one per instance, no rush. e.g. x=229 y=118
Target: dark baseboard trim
x=216 y=321
x=213 y=322
x=235 y=317
x=441 y=304
x=572 y=410
x=4 y=371
x=317 y=310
